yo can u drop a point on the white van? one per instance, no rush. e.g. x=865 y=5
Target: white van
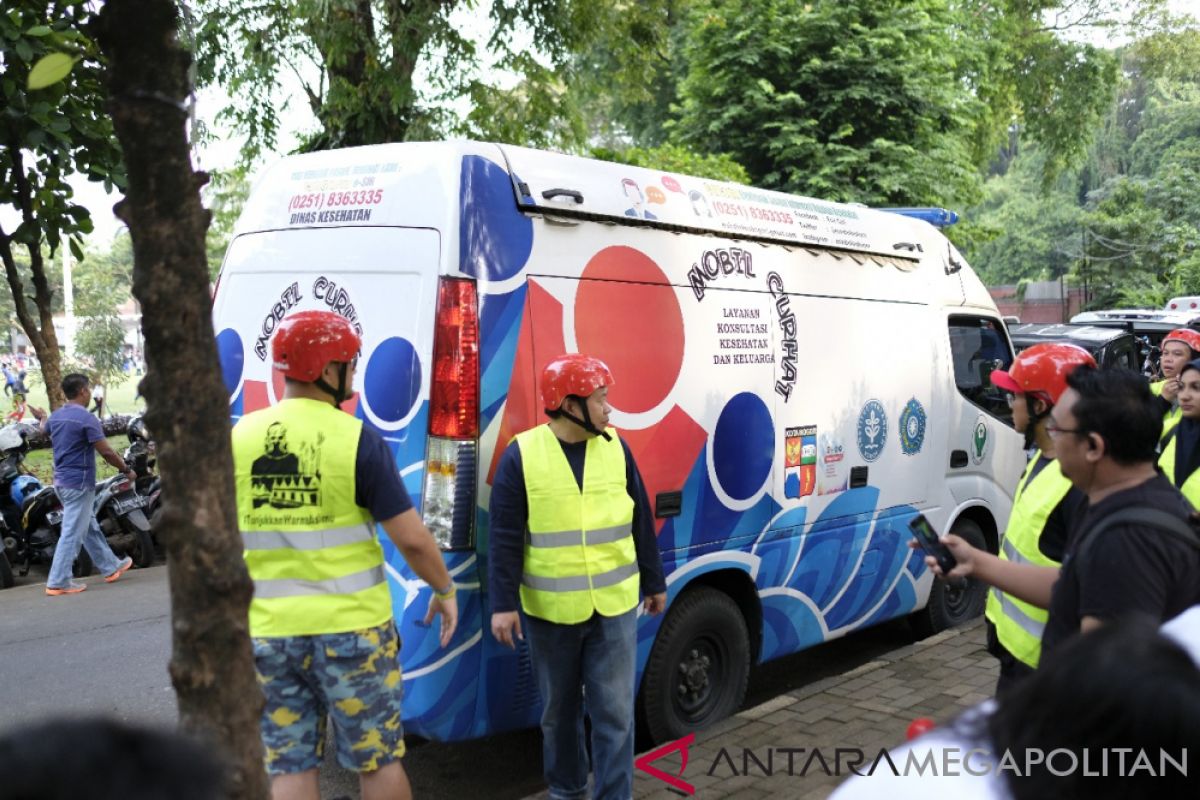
x=795 y=378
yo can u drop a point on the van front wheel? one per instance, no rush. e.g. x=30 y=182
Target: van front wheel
x=950 y=606
x=698 y=667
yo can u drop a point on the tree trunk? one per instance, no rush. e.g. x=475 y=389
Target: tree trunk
x=39 y=331
x=212 y=663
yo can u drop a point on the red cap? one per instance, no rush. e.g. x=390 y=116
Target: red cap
x=306 y=341
x=572 y=373
x=1042 y=369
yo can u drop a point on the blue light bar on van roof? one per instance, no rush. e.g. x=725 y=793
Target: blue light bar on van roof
x=938 y=217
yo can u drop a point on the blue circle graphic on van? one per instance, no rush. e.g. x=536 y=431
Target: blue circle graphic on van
x=912 y=427
x=392 y=380
x=872 y=430
x=494 y=239
x=233 y=358
x=743 y=446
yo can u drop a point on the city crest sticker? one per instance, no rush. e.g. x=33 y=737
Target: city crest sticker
x=872 y=430
x=912 y=427
x=800 y=460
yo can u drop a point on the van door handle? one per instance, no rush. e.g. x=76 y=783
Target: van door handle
x=958 y=458
x=550 y=194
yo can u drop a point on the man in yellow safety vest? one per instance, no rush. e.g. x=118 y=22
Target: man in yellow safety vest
x=1045 y=505
x=311 y=482
x=572 y=541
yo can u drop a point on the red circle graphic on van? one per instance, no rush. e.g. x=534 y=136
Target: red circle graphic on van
x=627 y=314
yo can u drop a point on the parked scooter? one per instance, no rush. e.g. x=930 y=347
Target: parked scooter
x=119 y=509
x=140 y=457
x=32 y=512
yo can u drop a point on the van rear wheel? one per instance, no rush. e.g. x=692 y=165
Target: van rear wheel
x=950 y=606
x=699 y=665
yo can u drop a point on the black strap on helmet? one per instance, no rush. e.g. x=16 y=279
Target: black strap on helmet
x=586 y=422
x=340 y=393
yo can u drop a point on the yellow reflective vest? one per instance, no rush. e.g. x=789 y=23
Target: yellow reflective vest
x=310 y=548
x=1019 y=625
x=1191 y=484
x=580 y=556
x=1172 y=417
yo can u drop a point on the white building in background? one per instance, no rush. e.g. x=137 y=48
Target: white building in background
x=129 y=313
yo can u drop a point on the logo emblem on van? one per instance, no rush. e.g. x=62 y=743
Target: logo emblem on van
x=872 y=430
x=979 y=440
x=912 y=427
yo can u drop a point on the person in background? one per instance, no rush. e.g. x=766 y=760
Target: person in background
x=573 y=545
x=1181 y=446
x=1178 y=348
x=98 y=400
x=76 y=436
x=324 y=638
x=1045 y=506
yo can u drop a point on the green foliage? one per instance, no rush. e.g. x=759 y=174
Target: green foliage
x=100 y=341
x=225 y=195
x=854 y=100
x=52 y=133
x=674 y=158
x=389 y=70
x=1126 y=223
x=1033 y=232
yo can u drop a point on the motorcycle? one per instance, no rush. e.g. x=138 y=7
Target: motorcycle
x=119 y=509
x=32 y=512
x=140 y=457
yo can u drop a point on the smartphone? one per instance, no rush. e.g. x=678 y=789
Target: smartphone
x=927 y=537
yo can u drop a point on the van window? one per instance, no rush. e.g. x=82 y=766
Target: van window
x=978 y=346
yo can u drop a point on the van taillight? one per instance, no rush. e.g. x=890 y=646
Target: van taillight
x=454 y=396
x=448 y=498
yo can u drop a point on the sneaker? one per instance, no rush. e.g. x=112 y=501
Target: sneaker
x=74 y=587
x=121 y=570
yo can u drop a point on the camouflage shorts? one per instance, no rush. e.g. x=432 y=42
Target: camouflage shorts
x=352 y=677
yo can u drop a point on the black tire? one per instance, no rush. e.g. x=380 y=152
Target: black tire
x=951 y=606
x=6 y=573
x=698 y=667
x=142 y=551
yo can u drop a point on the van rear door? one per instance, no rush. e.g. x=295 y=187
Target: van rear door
x=384 y=280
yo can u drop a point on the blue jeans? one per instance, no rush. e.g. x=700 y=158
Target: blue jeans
x=79 y=528
x=595 y=659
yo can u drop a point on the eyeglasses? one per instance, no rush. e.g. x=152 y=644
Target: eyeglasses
x=1010 y=398
x=1053 y=429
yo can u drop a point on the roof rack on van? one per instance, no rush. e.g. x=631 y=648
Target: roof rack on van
x=938 y=217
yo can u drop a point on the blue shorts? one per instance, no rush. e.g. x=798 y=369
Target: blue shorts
x=353 y=677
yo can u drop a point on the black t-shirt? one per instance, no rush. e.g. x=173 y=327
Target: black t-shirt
x=1131 y=569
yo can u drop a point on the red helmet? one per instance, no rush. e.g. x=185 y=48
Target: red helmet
x=1043 y=370
x=306 y=341
x=1186 y=335
x=575 y=374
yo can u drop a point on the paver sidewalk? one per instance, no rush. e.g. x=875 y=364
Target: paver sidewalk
x=747 y=756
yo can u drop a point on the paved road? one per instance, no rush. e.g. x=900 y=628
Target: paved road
x=105 y=651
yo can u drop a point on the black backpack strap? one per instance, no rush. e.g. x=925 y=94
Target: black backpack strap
x=1170 y=524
